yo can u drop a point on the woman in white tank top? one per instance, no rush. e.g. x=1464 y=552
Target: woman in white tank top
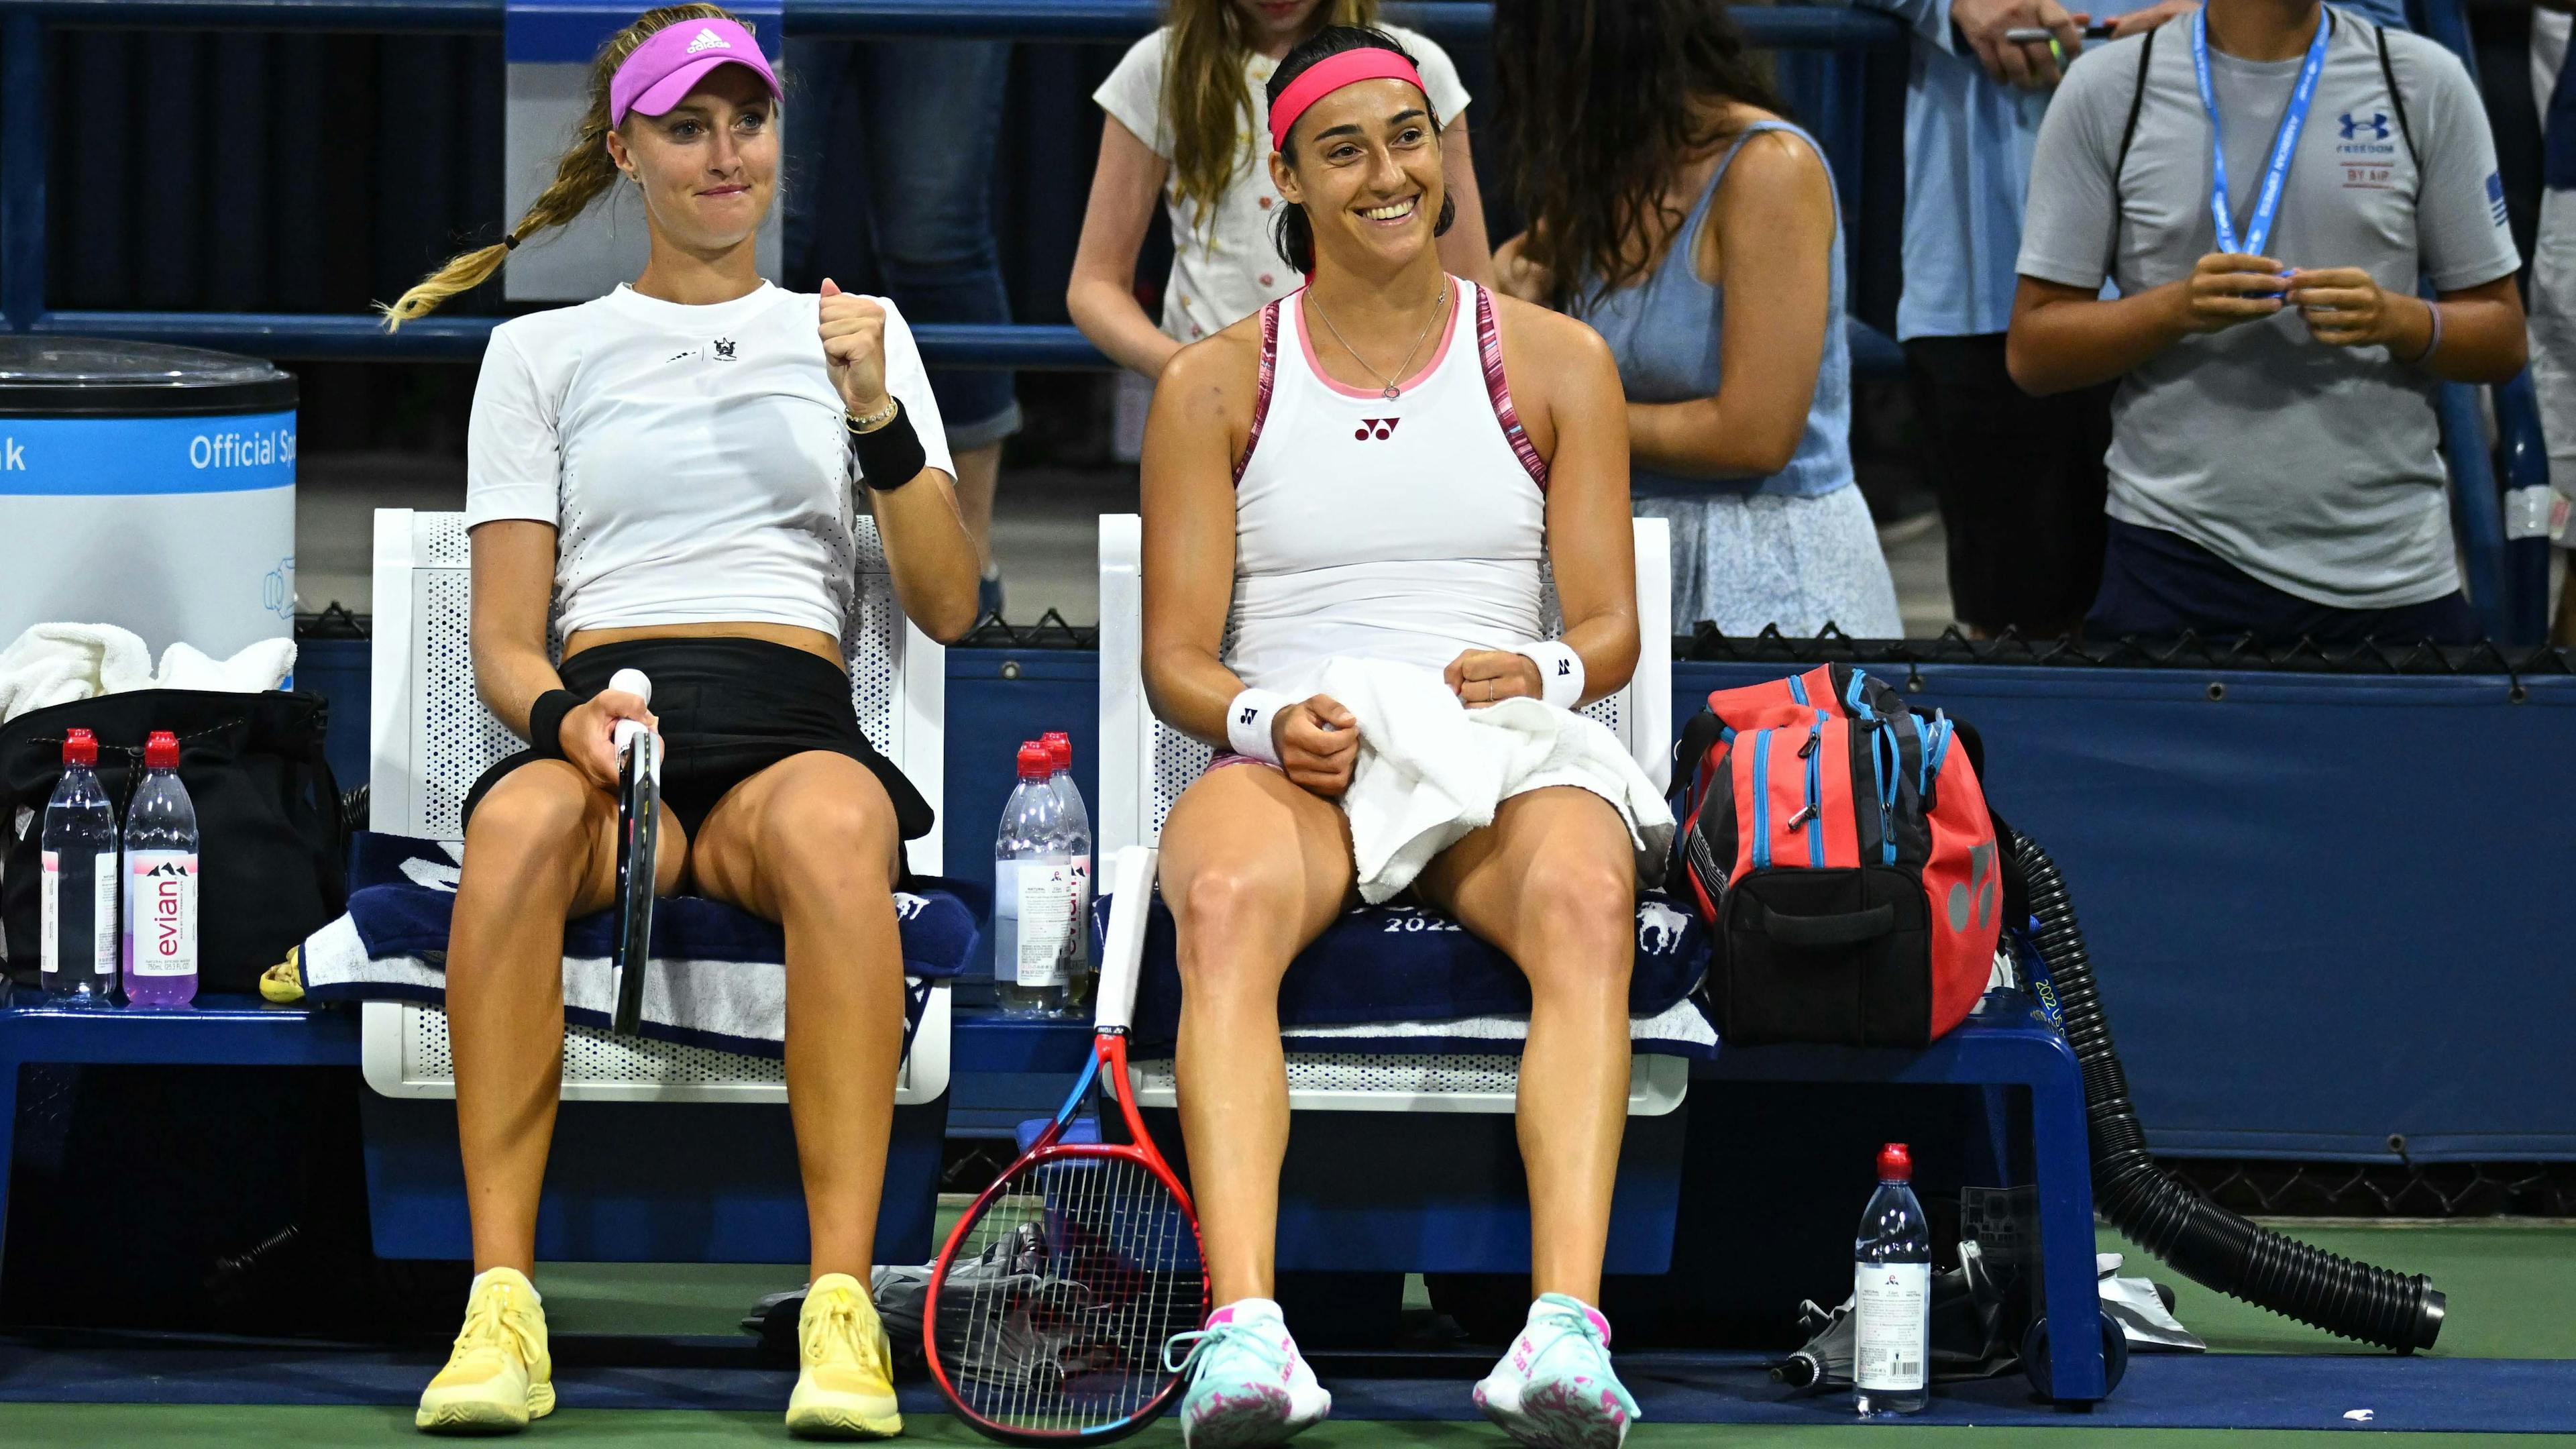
x=1377 y=467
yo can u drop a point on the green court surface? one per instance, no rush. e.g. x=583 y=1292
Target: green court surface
x=2507 y=1284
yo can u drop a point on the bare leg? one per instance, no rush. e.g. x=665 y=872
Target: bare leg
x=979 y=477
x=540 y=848
x=811 y=843
x=1253 y=868
x=1553 y=882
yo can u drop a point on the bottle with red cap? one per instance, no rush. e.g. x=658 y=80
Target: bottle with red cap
x=1892 y=1295
x=76 y=888
x=1033 y=894
x=161 y=883
x=1077 y=844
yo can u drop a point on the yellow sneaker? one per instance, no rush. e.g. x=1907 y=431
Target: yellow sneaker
x=845 y=1389
x=500 y=1375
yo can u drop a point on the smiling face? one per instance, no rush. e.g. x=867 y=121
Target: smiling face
x=1367 y=171
x=709 y=165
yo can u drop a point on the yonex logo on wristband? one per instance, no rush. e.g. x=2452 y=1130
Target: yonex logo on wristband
x=708 y=40
x=1249 y=713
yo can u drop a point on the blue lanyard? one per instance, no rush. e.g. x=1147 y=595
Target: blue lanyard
x=2285 y=142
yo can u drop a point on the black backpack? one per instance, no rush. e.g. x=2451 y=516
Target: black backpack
x=273 y=845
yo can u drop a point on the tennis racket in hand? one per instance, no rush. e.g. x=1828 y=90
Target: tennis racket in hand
x=1050 y=1305
x=639 y=833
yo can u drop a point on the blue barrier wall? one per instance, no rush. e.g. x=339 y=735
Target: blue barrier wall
x=2326 y=910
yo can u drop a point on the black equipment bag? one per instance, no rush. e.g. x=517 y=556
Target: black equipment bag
x=271 y=841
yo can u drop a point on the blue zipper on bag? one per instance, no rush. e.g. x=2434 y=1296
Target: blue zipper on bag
x=1798 y=689
x=1815 y=811
x=1943 y=732
x=1883 y=763
x=1761 y=799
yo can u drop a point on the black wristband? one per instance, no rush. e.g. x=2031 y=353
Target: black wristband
x=545 y=721
x=890 y=456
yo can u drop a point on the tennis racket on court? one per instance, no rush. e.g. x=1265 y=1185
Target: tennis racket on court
x=639 y=833
x=1049 y=1307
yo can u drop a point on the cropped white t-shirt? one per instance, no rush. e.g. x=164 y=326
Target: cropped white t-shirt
x=691 y=459
x=1229 y=268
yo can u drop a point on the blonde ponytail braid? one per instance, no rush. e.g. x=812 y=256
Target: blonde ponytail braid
x=583 y=174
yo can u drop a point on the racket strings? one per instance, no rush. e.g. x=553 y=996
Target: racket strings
x=1064 y=1292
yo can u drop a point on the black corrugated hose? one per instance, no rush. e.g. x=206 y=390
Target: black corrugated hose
x=2205 y=1242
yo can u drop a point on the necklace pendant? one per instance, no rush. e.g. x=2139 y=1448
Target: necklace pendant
x=1393 y=392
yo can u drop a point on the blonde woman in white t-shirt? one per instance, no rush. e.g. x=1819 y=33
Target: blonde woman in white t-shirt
x=1186 y=131
x=669 y=471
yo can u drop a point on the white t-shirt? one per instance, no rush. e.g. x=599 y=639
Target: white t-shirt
x=1229 y=268
x=692 y=460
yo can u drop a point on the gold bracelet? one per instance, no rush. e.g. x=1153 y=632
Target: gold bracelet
x=874 y=420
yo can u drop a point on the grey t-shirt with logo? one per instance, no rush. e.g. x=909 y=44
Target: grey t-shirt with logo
x=2313 y=468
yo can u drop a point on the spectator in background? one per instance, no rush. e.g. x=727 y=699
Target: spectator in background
x=1185 y=108
x=2019 y=478
x=1673 y=209
x=931 y=112
x=2553 y=273
x=2274 y=466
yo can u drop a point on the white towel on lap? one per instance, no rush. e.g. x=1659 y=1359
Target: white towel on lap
x=53 y=664
x=1431 y=770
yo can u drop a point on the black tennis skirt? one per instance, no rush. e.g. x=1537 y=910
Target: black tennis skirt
x=731 y=708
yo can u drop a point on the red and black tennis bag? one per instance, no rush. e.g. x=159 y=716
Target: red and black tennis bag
x=1839 y=845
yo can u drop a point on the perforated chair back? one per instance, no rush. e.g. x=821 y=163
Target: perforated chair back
x=430 y=737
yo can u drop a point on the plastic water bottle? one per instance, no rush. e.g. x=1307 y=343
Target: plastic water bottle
x=1033 y=925
x=1077 y=830
x=161 y=883
x=77 y=889
x=1892 y=1295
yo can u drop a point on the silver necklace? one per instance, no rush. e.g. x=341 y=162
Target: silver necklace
x=1392 y=390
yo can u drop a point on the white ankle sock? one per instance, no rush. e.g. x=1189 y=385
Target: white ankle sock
x=477 y=1286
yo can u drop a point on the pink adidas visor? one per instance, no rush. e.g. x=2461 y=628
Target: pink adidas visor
x=1331 y=74
x=664 y=69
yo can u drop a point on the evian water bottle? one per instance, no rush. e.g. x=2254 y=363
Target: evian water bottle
x=1892 y=1295
x=1077 y=844
x=1032 y=894
x=77 y=889
x=161 y=883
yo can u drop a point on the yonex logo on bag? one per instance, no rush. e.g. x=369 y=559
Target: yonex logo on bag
x=2376 y=124
x=1975 y=899
x=708 y=40
x=1379 y=429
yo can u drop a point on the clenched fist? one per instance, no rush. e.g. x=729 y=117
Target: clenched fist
x=853 y=330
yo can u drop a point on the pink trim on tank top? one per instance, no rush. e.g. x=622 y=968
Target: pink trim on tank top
x=1269 y=378
x=1489 y=351
x=1448 y=329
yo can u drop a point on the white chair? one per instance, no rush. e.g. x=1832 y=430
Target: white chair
x=430 y=737
x=1145 y=765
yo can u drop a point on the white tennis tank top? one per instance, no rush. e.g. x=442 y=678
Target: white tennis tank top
x=1410 y=529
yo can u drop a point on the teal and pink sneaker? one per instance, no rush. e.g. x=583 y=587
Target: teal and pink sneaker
x=1554 y=1389
x=1249 y=1387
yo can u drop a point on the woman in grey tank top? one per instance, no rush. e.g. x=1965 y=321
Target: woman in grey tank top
x=1648 y=152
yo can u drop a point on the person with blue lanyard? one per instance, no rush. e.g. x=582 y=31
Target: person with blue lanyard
x=2553 y=288
x=2264 y=184
x=2019 y=479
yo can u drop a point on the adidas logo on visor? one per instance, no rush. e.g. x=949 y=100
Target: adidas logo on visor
x=708 y=40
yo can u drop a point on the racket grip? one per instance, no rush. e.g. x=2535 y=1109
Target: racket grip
x=1122 y=957
x=634 y=682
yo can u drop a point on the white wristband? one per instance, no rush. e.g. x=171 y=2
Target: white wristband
x=1248 y=720
x=1560 y=671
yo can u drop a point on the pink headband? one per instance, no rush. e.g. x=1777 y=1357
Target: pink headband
x=1331 y=74
x=669 y=64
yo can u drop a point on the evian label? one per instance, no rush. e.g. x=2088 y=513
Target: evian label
x=1046 y=921
x=1891 y=1321
x=161 y=925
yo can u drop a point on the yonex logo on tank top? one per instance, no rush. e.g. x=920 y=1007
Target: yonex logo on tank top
x=708 y=40
x=1379 y=429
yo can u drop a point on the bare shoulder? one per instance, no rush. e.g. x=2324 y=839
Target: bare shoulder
x=1548 y=348
x=1773 y=168
x=1217 y=374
